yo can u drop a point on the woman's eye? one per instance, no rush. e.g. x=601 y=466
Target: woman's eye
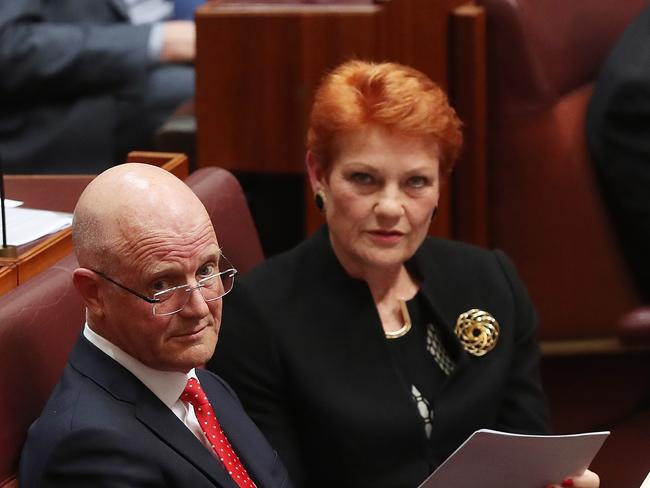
x=418 y=182
x=362 y=178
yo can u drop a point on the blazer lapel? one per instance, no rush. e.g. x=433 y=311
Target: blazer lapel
x=443 y=301
x=448 y=298
x=149 y=410
x=155 y=415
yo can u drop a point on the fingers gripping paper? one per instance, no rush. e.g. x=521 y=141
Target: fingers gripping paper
x=492 y=459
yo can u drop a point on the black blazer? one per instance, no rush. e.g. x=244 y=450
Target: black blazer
x=103 y=428
x=303 y=346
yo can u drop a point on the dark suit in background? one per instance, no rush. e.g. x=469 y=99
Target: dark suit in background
x=618 y=133
x=78 y=87
x=103 y=427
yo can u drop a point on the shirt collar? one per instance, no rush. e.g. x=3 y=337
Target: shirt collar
x=166 y=385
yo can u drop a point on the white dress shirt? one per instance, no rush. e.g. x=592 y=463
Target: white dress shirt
x=153 y=12
x=149 y=11
x=166 y=385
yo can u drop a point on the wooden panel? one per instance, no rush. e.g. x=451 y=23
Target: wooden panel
x=8 y=278
x=416 y=33
x=258 y=66
x=61 y=192
x=44 y=255
x=252 y=102
x=50 y=192
x=468 y=94
x=176 y=163
x=32 y=259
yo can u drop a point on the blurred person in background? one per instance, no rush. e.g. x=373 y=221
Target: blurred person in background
x=618 y=135
x=84 y=82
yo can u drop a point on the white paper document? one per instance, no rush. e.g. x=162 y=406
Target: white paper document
x=646 y=483
x=26 y=225
x=12 y=203
x=492 y=459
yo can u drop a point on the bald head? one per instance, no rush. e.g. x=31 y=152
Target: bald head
x=139 y=231
x=126 y=201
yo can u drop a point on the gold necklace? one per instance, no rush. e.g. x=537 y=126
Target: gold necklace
x=395 y=334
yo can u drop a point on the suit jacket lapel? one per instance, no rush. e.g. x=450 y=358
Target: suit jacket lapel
x=448 y=298
x=157 y=417
x=149 y=410
x=443 y=301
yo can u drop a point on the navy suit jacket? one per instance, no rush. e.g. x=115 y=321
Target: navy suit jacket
x=103 y=428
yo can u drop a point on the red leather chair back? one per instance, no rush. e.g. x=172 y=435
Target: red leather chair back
x=39 y=323
x=545 y=208
x=224 y=199
x=541 y=50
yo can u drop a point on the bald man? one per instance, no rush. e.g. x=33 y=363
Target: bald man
x=132 y=408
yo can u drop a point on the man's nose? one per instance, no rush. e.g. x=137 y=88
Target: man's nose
x=196 y=304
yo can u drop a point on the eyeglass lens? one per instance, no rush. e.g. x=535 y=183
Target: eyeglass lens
x=212 y=288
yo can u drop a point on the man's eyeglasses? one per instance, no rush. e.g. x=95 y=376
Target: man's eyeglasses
x=172 y=300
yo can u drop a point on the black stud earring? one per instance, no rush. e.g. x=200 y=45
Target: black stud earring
x=319 y=200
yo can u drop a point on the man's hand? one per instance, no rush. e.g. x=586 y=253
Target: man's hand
x=179 y=41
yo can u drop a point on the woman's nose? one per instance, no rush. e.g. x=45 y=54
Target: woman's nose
x=390 y=203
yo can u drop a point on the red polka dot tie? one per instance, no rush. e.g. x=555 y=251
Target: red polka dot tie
x=193 y=393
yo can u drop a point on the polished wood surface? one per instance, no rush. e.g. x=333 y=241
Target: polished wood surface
x=258 y=66
x=35 y=257
x=50 y=192
x=468 y=87
x=176 y=163
x=60 y=193
x=8 y=278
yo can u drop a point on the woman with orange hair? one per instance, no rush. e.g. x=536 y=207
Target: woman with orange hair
x=370 y=352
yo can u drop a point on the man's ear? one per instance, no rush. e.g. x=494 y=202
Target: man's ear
x=87 y=284
x=315 y=172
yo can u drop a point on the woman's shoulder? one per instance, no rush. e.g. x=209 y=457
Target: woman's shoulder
x=276 y=274
x=438 y=248
x=455 y=258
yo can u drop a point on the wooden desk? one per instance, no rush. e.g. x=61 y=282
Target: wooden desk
x=258 y=65
x=60 y=193
x=176 y=163
x=8 y=278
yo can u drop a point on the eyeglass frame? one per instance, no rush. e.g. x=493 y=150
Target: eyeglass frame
x=188 y=288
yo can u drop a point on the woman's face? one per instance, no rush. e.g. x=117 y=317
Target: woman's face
x=381 y=191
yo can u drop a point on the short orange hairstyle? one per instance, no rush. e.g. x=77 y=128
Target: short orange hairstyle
x=359 y=93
